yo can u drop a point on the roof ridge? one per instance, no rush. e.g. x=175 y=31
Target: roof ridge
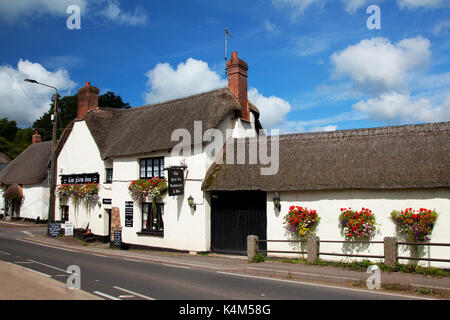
x=374 y=131
x=157 y=104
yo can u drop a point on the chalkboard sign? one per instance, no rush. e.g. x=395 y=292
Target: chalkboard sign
x=80 y=178
x=117 y=239
x=54 y=229
x=129 y=213
x=176 y=181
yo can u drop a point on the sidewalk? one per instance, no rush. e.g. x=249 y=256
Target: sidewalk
x=270 y=269
x=17 y=283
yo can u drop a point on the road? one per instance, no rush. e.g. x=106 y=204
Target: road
x=122 y=278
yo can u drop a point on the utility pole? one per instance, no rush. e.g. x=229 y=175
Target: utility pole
x=51 y=211
x=226 y=49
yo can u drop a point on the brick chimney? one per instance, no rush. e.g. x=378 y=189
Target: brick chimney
x=87 y=99
x=237 y=82
x=36 y=138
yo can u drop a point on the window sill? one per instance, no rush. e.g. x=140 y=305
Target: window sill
x=150 y=233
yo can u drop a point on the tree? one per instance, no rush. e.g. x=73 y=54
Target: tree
x=67 y=111
x=13 y=140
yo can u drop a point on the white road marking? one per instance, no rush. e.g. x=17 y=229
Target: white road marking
x=106 y=295
x=47 y=265
x=323 y=285
x=22 y=262
x=43 y=274
x=133 y=293
x=132 y=260
x=175 y=266
x=44 y=245
x=7 y=253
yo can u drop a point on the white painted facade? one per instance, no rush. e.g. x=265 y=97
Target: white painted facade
x=381 y=202
x=184 y=228
x=35 y=201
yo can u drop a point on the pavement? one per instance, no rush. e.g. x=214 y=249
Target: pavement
x=25 y=284
x=326 y=275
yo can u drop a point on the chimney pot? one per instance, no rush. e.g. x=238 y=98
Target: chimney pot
x=237 y=83
x=36 y=138
x=87 y=99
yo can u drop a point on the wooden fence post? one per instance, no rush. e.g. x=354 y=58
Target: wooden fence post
x=390 y=251
x=252 y=247
x=312 y=248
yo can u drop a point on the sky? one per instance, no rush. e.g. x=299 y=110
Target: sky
x=314 y=65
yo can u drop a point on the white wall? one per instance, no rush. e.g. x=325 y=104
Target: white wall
x=80 y=154
x=35 y=202
x=328 y=204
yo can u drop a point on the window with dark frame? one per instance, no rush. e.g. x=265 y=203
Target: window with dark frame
x=151 y=167
x=152 y=222
x=109 y=175
x=64 y=213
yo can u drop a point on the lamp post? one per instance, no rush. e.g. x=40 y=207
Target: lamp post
x=51 y=213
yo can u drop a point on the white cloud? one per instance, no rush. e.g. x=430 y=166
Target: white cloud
x=413 y=4
x=273 y=110
x=402 y=108
x=323 y=129
x=116 y=14
x=297 y=7
x=441 y=27
x=12 y=11
x=351 y=6
x=376 y=65
x=25 y=102
x=16 y=11
x=191 y=77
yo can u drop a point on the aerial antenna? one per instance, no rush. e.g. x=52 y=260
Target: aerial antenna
x=226 y=48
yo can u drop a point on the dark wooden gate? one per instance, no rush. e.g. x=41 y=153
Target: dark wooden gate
x=234 y=216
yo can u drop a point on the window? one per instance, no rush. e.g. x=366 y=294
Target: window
x=152 y=222
x=65 y=213
x=151 y=167
x=109 y=175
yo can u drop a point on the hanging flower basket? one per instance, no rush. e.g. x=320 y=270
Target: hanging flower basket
x=148 y=189
x=79 y=193
x=301 y=222
x=414 y=225
x=357 y=225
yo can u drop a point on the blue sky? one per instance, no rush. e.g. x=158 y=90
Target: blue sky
x=313 y=64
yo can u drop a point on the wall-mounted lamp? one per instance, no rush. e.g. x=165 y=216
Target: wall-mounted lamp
x=277 y=201
x=191 y=203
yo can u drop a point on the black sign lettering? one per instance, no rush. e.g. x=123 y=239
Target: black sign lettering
x=176 y=181
x=129 y=205
x=80 y=178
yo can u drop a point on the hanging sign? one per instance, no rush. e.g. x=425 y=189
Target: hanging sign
x=176 y=181
x=80 y=178
x=129 y=205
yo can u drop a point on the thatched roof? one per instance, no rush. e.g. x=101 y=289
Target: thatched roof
x=411 y=156
x=29 y=167
x=140 y=130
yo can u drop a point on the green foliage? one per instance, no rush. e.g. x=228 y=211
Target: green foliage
x=13 y=140
x=259 y=258
x=67 y=111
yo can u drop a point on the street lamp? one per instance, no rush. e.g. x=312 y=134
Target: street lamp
x=51 y=214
